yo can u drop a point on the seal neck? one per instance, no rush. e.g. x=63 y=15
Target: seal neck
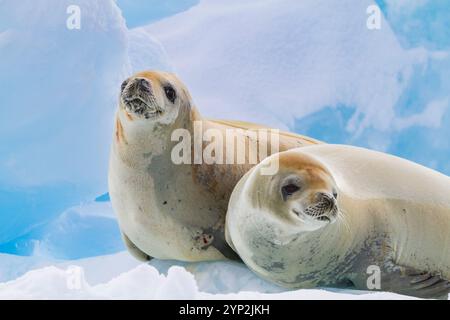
x=137 y=141
x=334 y=247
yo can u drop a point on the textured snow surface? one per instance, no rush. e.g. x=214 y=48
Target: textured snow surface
x=121 y=277
x=274 y=61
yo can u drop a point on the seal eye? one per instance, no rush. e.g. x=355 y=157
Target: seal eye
x=170 y=93
x=289 y=190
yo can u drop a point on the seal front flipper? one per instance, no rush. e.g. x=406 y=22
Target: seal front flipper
x=412 y=282
x=219 y=242
x=134 y=250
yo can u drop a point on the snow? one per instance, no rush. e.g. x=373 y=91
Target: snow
x=308 y=66
x=137 y=13
x=128 y=279
x=274 y=61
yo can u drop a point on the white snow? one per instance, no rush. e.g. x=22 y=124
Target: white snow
x=127 y=279
x=274 y=61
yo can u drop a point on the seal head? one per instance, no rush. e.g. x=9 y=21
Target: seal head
x=156 y=97
x=302 y=193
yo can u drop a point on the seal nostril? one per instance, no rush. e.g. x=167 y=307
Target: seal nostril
x=124 y=84
x=326 y=199
x=137 y=85
x=320 y=196
x=144 y=84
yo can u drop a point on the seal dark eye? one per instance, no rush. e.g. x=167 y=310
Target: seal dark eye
x=289 y=190
x=170 y=93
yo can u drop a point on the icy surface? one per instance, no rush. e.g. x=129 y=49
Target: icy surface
x=120 y=277
x=137 y=13
x=58 y=96
x=275 y=61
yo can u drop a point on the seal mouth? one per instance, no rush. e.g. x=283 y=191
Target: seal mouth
x=138 y=98
x=141 y=106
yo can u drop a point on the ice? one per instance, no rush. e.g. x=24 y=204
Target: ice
x=131 y=280
x=58 y=96
x=420 y=22
x=275 y=62
x=138 y=13
x=88 y=229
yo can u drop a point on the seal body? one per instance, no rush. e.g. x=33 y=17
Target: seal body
x=167 y=209
x=378 y=213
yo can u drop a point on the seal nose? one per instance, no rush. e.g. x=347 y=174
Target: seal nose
x=138 y=85
x=326 y=199
x=143 y=83
x=123 y=85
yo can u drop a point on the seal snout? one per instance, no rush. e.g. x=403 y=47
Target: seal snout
x=137 y=85
x=324 y=207
x=326 y=200
x=138 y=97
